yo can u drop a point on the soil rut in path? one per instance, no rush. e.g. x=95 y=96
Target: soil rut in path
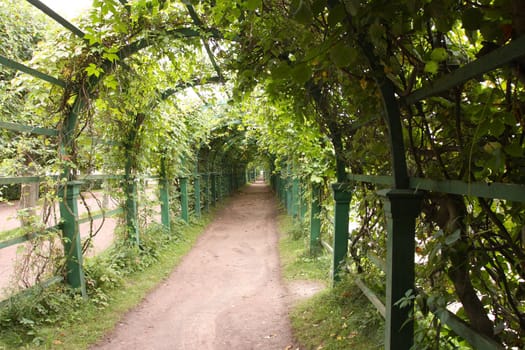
x=227 y=292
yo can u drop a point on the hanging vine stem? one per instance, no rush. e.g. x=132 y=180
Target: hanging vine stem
x=427 y=131
x=92 y=233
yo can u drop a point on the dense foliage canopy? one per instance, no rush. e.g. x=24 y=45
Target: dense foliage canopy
x=301 y=83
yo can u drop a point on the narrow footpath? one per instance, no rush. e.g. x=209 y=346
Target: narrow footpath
x=226 y=294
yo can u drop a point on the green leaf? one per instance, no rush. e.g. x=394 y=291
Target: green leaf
x=110 y=56
x=431 y=67
x=439 y=54
x=110 y=82
x=92 y=69
x=492 y=147
x=336 y=15
x=343 y=55
x=453 y=237
x=514 y=149
x=301 y=73
x=253 y=5
x=301 y=11
x=281 y=71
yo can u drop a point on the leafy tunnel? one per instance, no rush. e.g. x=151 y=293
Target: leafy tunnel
x=391 y=131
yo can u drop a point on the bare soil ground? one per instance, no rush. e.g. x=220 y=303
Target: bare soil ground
x=226 y=294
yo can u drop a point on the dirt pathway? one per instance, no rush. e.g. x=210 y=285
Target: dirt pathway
x=226 y=294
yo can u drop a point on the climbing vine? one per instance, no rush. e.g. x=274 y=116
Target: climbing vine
x=304 y=82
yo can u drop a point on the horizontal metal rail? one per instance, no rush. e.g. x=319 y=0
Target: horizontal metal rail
x=327 y=246
x=37 y=74
x=43 y=285
x=495 y=190
x=28 y=237
x=461 y=328
x=374 y=299
x=103 y=214
x=495 y=59
x=377 y=261
x=28 y=129
x=20 y=180
x=101 y=177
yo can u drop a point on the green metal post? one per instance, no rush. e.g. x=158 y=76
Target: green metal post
x=289 y=196
x=315 y=220
x=131 y=210
x=295 y=198
x=342 y=196
x=184 y=198
x=197 y=189
x=207 y=192
x=401 y=209
x=71 y=236
x=164 y=196
x=213 y=192
x=303 y=207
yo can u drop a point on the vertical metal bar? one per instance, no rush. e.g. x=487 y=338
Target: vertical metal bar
x=315 y=220
x=401 y=209
x=295 y=198
x=213 y=189
x=164 y=196
x=184 y=198
x=303 y=207
x=342 y=196
x=197 y=190
x=71 y=236
x=131 y=209
x=397 y=146
x=207 y=193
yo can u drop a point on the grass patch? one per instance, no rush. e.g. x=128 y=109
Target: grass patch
x=296 y=261
x=337 y=318
x=57 y=319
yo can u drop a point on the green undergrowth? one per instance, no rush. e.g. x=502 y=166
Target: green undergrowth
x=297 y=262
x=117 y=280
x=337 y=318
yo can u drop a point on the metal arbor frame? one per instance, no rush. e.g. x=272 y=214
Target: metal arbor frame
x=404 y=192
x=70 y=191
x=402 y=206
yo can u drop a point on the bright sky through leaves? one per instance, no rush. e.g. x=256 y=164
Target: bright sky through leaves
x=67 y=8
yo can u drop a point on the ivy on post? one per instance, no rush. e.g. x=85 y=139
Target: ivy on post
x=206 y=192
x=164 y=195
x=197 y=190
x=184 y=199
x=401 y=209
x=342 y=196
x=71 y=236
x=131 y=209
x=315 y=219
x=295 y=198
x=213 y=193
x=303 y=204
